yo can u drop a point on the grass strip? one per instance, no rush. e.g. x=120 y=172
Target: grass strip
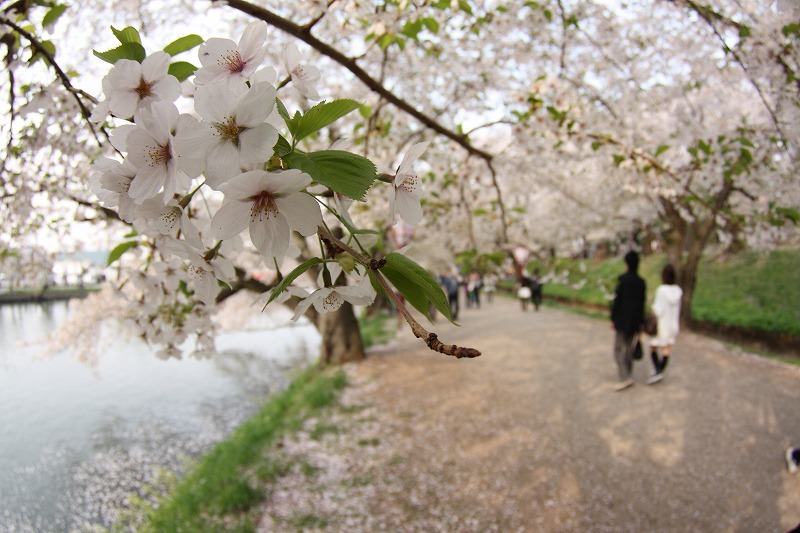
x=224 y=489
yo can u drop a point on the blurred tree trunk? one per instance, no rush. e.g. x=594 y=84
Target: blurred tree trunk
x=341 y=337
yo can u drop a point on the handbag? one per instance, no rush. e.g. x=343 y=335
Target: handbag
x=637 y=351
x=650 y=324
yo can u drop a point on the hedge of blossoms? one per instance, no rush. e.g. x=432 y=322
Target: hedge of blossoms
x=242 y=143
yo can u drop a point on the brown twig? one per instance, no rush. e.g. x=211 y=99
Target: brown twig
x=431 y=339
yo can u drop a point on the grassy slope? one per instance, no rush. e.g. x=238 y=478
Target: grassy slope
x=750 y=290
x=226 y=485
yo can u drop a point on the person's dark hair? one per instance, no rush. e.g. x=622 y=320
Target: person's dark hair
x=668 y=275
x=632 y=260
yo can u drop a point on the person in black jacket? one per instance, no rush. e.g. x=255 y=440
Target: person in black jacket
x=627 y=317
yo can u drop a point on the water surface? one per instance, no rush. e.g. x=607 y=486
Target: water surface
x=76 y=442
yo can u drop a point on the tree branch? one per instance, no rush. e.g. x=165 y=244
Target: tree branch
x=430 y=338
x=348 y=63
x=60 y=74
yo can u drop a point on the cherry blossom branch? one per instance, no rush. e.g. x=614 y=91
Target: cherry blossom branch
x=60 y=74
x=304 y=35
x=711 y=17
x=430 y=338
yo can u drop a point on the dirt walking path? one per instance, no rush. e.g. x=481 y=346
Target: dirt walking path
x=531 y=437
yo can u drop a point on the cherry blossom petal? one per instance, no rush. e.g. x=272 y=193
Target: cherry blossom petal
x=356 y=295
x=231 y=219
x=412 y=155
x=214 y=102
x=257 y=144
x=222 y=164
x=195 y=141
x=244 y=185
x=286 y=182
x=251 y=45
x=302 y=212
x=408 y=206
x=255 y=105
x=123 y=104
x=148 y=182
x=155 y=65
x=168 y=88
x=126 y=74
x=270 y=233
x=302 y=307
x=205 y=284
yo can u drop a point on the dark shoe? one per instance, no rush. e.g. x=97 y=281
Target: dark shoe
x=791 y=464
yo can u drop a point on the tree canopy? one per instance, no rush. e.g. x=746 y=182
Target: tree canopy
x=548 y=123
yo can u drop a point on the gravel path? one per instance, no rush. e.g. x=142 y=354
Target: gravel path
x=531 y=437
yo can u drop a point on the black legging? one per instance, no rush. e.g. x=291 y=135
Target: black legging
x=659 y=363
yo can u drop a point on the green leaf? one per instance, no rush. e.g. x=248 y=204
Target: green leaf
x=52 y=16
x=618 y=159
x=346 y=173
x=321 y=115
x=416 y=285
x=385 y=41
x=120 y=249
x=293 y=275
x=181 y=70
x=661 y=149
x=282 y=147
x=464 y=6
x=127 y=35
x=790 y=213
x=744 y=31
x=134 y=51
x=283 y=112
x=48 y=46
x=431 y=24
x=184 y=44
x=596 y=145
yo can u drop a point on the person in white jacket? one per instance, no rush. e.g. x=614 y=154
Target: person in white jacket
x=667 y=308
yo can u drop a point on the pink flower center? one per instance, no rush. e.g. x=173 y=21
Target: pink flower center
x=410 y=184
x=233 y=62
x=159 y=155
x=300 y=73
x=229 y=130
x=264 y=206
x=144 y=89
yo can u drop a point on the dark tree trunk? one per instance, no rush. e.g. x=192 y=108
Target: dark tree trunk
x=341 y=337
x=686 y=241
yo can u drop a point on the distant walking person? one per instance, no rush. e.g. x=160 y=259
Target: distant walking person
x=536 y=289
x=450 y=285
x=524 y=292
x=667 y=308
x=627 y=317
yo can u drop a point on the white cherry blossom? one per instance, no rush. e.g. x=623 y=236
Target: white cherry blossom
x=234 y=130
x=131 y=86
x=111 y=182
x=407 y=191
x=225 y=60
x=169 y=219
x=149 y=148
x=170 y=272
x=272 y=204
x=304 y=76
x=329 y=299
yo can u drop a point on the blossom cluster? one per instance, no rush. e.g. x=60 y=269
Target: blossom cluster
x=224 y=149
